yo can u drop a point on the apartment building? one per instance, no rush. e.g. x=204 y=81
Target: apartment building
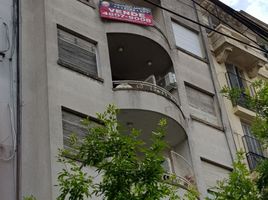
x=238 y=64
x=78 y=56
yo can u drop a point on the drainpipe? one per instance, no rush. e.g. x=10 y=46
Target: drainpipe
x=17 y=3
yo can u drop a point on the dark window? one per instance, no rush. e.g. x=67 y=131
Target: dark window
x=77 y=53
x=252 y=146
x=251 y=143
x=236 y=80
x=235 y=77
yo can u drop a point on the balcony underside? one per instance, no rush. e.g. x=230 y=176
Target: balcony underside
x=229 y=50
x=147 y=121
x=148 y=101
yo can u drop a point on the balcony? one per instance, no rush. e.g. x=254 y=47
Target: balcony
x=144 y=86
x=227 y=49
x=241 y=106
x=253 y=150
x=143 y=75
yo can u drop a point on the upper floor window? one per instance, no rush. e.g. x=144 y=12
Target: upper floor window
x=77 y=52
x=235 y=77
x=236 y=81
x=187 y=39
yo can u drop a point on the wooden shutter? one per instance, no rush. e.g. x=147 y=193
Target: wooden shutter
x=77 y=53
x=71 y=124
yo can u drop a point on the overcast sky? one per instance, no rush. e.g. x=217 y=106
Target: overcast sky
x=256 y=8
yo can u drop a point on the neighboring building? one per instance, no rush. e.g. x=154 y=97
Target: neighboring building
x=238 y=66
x=8 y=99
x=73 y=63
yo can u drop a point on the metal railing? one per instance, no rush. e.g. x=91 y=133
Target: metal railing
x=253 y=160
x=241 y=84
x=180 y=172
x=179 y=181
x=253 y=150
x=144 y=86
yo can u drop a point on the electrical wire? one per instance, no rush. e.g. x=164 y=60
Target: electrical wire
x=259 y=30
x=209 y=28
x=211 y=13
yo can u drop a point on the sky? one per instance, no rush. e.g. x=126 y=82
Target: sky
x=256 y=8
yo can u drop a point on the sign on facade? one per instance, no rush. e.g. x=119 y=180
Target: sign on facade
x=126 y=13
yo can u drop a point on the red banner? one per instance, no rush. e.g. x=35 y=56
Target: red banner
x=126 y=13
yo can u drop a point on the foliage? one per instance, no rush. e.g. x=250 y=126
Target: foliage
x=72 y=180
x=239 y=185
x=262 y=180
x=129 y=168
x=29 y=198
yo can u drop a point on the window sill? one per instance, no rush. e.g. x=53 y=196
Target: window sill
x=193 y=55
x=193 y=117
x=244 y=113
x=89 y=3
x=68 y=66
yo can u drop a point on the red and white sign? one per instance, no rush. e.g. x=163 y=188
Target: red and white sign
x=126 y=13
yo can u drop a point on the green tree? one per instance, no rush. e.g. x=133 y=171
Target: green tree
x=239 y=185
x=259 y=103
x=129 y=168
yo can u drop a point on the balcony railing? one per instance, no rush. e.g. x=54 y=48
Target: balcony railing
x=253 y=160
x=235 y=81
x=181 y=172
x=253 y=150
x=144 y=86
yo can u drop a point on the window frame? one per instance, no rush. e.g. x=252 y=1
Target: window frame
x=201 y=57
x=72 y=66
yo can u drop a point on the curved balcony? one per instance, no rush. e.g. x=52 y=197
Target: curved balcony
x=181 y=172
x=144 y=86
x=131 y=94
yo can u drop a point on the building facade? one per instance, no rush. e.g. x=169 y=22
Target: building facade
x=150 y=63
x=238 y=64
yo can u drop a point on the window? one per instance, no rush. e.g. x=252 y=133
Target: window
x=200 y=100
x=187 y=39
x=71 y=124
x=77 y=53
x=252 y=146
x=236 y=80
x=235 y=76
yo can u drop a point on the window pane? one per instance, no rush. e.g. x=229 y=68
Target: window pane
x=187 y=39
